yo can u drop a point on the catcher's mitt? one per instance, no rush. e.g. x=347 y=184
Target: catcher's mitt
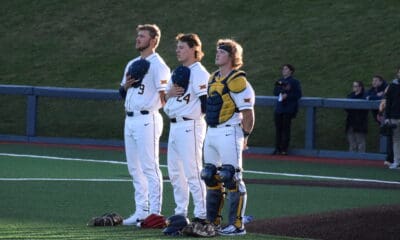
x=153 y=221
x=198 y=229
x=181 y=76
x=138 y=70
x=108 y=219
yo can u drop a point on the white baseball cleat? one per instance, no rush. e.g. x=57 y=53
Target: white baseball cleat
x=135 y=218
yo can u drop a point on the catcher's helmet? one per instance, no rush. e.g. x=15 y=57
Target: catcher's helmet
x=181 y=76
x=175 y=224
x=138 y=70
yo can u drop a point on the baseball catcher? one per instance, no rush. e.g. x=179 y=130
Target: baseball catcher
x=181 y=76
x=107 y=219
x=138 y=70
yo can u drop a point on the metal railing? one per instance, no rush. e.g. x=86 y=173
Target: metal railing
x=310 y=104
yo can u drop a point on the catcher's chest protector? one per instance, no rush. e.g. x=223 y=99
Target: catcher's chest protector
x=220 y=105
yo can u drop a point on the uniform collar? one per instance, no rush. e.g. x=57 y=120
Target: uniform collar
x=193 y=65
x=153 y=55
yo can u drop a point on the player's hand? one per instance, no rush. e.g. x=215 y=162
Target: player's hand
x=176 y=91
x=284 y=96
x=129 y=81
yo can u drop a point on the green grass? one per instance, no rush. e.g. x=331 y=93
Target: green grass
x=41 y=208
x=268 y=165
x=60 y=209
x=87 y=44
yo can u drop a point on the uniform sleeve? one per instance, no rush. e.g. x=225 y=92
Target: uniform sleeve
x=162 y=75
x=125 y=71
x=169 y=85
x=200 y=83
x=244 y=99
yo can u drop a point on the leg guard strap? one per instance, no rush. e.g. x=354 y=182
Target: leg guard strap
x=237 y=206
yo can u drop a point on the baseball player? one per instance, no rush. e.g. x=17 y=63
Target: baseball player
x=186 y=109
x=143 y=124
x=230 y=120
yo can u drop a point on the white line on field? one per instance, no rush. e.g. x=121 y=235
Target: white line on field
x=61 y=158
x=323 y=177
x=124 y=163
x=70 y=179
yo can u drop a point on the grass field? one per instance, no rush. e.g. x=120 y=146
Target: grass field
x=50 y=192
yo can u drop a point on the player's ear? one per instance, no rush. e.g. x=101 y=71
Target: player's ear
x=153 y=42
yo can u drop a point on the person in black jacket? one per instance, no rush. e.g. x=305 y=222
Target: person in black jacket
x=376 y=92
x=357 y=121
x=392 y=116
x=289 y=92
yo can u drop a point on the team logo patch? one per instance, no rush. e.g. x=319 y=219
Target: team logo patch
x=164 y=81
x=203 y=86
x=247 y=100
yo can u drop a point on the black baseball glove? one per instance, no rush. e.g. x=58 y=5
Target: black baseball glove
x=138 y=70
x=108 y=219
x=181 y=76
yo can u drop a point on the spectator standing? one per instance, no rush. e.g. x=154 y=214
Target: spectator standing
x=392 y=115
x=288 y=90
x=357 y=121
x=376 y=92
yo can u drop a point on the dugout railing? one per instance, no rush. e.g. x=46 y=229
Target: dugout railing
x=310 y=105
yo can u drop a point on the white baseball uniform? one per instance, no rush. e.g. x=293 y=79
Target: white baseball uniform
x=185 y=143
x=143 y=128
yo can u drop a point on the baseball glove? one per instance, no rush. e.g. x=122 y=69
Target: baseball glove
x=108 y=219
x=138 y=70
x=197 y=229
x=153 y=221
x=181 y=76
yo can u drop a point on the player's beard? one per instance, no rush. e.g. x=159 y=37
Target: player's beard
x=140 y=49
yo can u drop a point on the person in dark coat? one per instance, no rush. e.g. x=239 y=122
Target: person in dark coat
x=289 y=92
x=357 y=121
x=392 y=116
x=376 y=92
